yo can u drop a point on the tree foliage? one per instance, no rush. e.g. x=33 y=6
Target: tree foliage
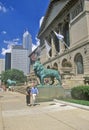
x=13 y=74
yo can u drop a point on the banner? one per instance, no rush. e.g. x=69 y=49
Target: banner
x=61 y=37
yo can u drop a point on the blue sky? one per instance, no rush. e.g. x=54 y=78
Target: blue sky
x=16 y=16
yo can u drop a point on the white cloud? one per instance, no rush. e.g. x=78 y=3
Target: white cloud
x=11 y=8
x=37 y=41
x=3 y=32
x=3 y=9
x=15 y=42
x=9 y=46
x=11 y=42
x=34 y=46
x=16 y=39
x=4 y=51
x=41 y=20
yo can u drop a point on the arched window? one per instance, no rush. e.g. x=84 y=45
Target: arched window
x=55 y=66
x=48 y=67
x=79 y=64
x=64 y=60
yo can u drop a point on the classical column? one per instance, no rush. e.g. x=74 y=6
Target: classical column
x=62 y=46
x=47 y=42
x=53 y=47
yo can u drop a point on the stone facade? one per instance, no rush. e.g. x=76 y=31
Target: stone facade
x=71 y=19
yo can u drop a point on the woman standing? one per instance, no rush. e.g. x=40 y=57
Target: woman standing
x=28 y=93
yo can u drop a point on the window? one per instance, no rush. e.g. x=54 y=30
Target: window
x=66 y=34
x=79 y=64
x=78 y=8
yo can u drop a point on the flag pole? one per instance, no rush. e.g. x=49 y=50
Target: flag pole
x=65 y=44
x=60 y=37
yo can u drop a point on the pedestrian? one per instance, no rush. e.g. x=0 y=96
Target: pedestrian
x=34 y=93
x=28 y=95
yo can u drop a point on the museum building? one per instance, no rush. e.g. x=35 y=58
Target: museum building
x=70 y=53
x=69 y=19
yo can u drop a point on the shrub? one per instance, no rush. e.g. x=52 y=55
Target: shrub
x=80 y=92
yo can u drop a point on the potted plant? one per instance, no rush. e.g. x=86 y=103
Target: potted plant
x=66 y=66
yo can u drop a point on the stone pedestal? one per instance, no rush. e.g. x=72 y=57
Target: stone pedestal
x=50 y=92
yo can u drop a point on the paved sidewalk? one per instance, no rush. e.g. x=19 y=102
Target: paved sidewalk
x=72 y=104
x=15 y=115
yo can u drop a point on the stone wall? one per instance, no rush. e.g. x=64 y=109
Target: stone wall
x=48 y=93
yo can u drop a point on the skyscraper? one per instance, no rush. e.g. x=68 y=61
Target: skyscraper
x=8 y=61
x=20 y=53
x=27 y=41
x=2 y=65
x=27 y=44
x=19 y=59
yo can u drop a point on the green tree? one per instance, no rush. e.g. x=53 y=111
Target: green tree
x=13 y=74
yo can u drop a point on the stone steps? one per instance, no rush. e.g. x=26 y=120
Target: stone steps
x=20 y=89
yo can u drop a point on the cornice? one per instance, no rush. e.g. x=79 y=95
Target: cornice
x=43 y=28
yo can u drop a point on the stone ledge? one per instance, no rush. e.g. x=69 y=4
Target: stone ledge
x=73 y=104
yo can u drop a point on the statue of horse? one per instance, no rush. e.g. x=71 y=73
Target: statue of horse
x=43 y=72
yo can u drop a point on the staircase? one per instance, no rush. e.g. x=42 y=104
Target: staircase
x=20 y=89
